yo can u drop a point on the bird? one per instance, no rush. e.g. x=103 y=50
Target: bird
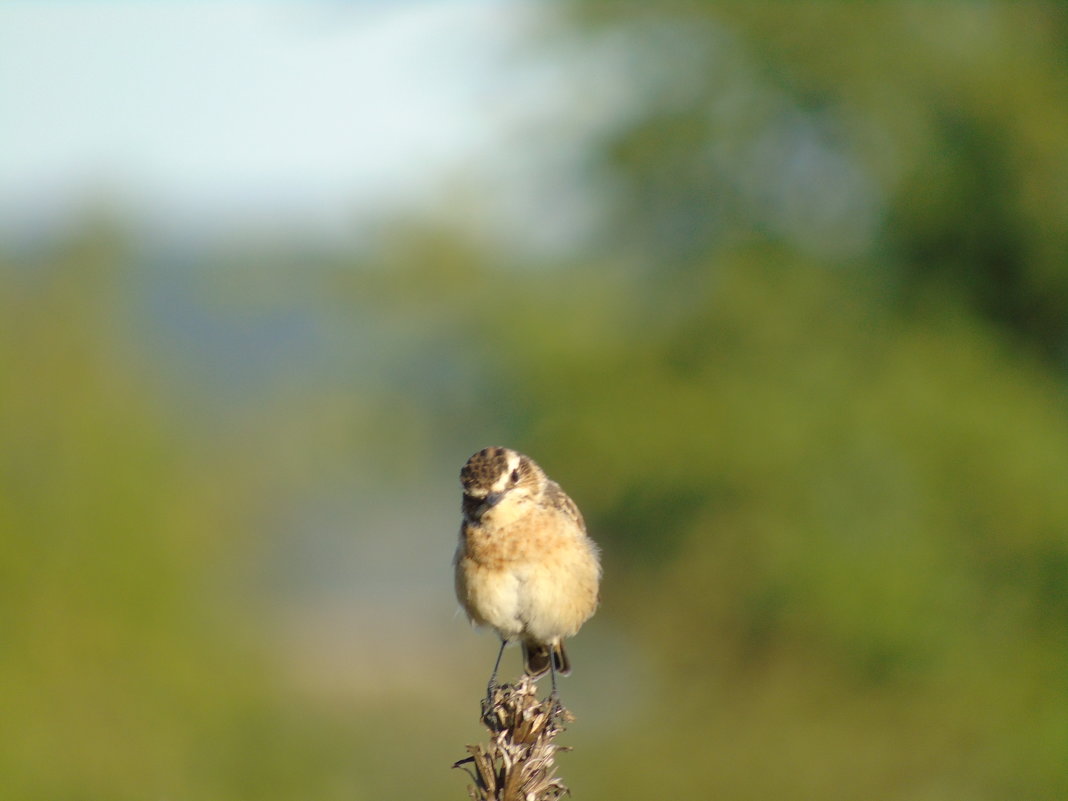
x=524 y=565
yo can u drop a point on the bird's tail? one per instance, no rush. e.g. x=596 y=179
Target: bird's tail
x=536 y=656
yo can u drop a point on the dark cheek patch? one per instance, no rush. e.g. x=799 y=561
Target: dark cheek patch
x=472 y=507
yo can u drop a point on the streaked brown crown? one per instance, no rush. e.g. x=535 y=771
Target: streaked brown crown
x=483 y=470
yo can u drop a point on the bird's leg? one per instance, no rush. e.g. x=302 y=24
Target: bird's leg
x=493 y=676
x=554 y=696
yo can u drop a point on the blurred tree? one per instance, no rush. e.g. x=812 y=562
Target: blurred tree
x=929 y=141
x=111 y=671
x=833 y=531
x=129 y=659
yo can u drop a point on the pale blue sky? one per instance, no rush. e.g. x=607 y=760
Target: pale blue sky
x=192 y=113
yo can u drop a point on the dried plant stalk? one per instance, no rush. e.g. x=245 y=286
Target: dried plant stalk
x=519 y=761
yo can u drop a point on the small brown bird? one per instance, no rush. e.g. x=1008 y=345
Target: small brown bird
x=524 y=564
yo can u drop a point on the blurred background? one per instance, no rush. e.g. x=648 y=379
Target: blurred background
x=779 y=293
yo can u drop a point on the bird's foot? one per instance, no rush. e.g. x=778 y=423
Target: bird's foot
x=557 y=707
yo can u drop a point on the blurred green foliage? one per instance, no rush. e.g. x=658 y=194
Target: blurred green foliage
x=824 y=447
x=928 y=140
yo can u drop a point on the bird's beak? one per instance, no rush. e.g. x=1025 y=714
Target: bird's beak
x=492 y=499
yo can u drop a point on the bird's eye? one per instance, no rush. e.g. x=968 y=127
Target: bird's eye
x=515 y=475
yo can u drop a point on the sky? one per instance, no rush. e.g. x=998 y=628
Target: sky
x=199 y=115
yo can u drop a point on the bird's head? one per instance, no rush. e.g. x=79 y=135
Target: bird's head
x=499 y=478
